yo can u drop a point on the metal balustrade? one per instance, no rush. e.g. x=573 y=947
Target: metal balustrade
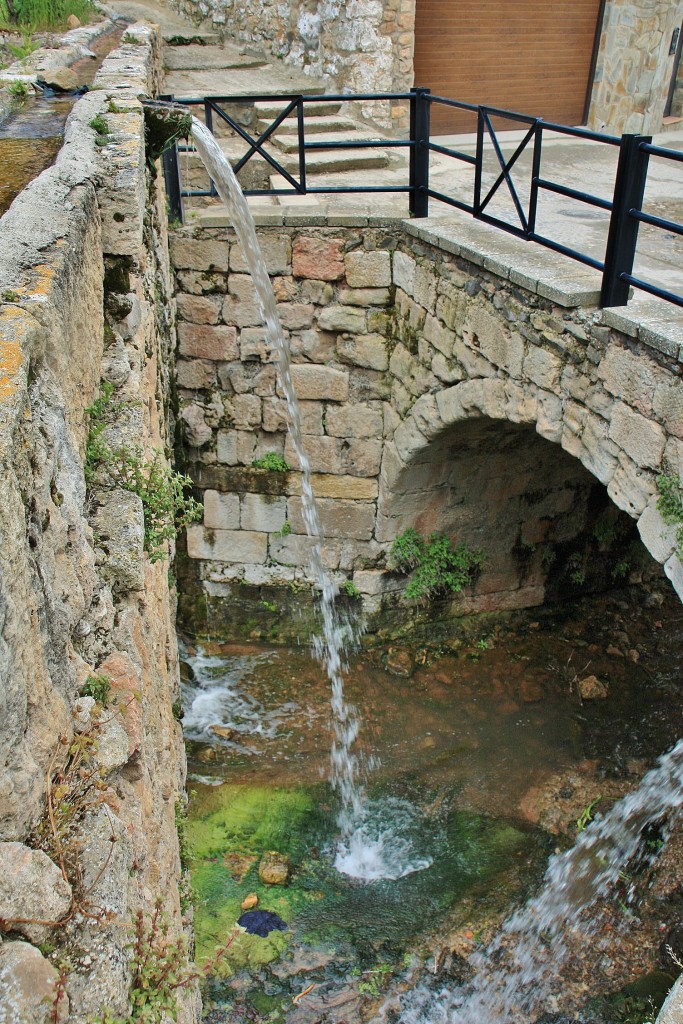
x=625 y=208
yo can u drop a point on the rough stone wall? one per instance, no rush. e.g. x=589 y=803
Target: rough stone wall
x=360 y=46
x=84 y=280
x=634 y=68
x=404 y=356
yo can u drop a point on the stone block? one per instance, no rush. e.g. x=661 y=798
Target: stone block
x=226 y=545
x=342 y=318
x=673 y=567
x=365 y=296
x=241 y=307
x=543 y=368
x=28 y=983
x=338 y=517
x=246 y=410
x=368 y=350
x=424 y=287
x=195 y=283
x=255 y=346
x=226 y=447
x=312 y=346
x=275 y=249
x=356 y=457
x=439 y=336
x=119 y=522
x=404 y=271
x=320 y=383
x=668 y=405
x=631 y=376
x=320 y=293
x=195 y=428
x=368 y=269
x=495 y=342
x=195 y=374
x=207 y=342
x=31 y=886
x=354 y=420
x=295 y=316
x=318 y=258
x=409 y=440
x=248 y=378
x=658 y=537
x=358 y=554
x=296 y=550
x=549 y=422
x=630 y=489
x=189 y=254
x=446 y=370
x=199 y=309
x=221 y=511
x=275 y=417
x=263 y=512
x=331 y=486
x=642 y=439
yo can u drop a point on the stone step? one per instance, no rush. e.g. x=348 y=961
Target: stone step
x=269 y=109
x=338 y=160
x=290 y=143
x=314 y=125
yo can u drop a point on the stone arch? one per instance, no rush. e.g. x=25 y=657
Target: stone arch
x=569 y=425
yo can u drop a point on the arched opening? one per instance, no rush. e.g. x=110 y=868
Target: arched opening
x=546 y=526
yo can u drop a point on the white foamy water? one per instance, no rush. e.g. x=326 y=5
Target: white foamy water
x=217 y=696
x=380 y=844
x=520 y=971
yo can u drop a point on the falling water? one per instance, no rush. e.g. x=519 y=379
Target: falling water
x=520 y=969
x=344 y=763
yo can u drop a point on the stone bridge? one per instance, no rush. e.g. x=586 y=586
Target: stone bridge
x=439 y=390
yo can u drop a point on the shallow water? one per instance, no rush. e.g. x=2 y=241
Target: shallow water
x=468 y=754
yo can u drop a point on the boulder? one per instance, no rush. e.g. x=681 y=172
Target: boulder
x=61 y=79
x=275 y=868
x=28 y=986
x=31 y=887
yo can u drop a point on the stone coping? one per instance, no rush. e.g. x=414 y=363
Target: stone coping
x=653 y=322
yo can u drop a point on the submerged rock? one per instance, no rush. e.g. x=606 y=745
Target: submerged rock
x=261 y=922
x=275 y=868
x=592 y=688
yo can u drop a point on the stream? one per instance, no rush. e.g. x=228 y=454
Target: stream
x=482 y=759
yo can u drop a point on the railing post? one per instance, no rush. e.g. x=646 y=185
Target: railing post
x=171 y=166
x=629 y=188
x=172 y=178
x=419 y=153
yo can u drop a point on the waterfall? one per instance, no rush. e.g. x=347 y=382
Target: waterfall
x=516 y=974
x=344 y=773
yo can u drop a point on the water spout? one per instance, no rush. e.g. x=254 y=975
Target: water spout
x=344 y=771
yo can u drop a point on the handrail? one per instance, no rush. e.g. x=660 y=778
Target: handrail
x=625 y=207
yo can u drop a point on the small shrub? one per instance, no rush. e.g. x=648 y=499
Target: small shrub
x=670 y=505
x=9 y=296
x=99 y=124
x=350 y=589
x=98 y=687
x=27 y=46
x=437 y=566
x=19 y=90
x=273 y=462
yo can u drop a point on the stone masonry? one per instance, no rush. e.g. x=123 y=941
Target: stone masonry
x=433 y=394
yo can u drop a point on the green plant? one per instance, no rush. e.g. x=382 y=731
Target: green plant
x=9 y=296
x=96 y=448
x=178 y=710
x=270 y=606
x=670 y=505
x=350 y=589
x=98 y=687
x=577 y=573
x=272 y=462
x=286 y=529
x=128 y=37
x=376 y=978
x=27 y=46
x=159 y=968
x=19 y=90
x=437 y=566
x=586 y=815
x=31 y=15
x=166 y=508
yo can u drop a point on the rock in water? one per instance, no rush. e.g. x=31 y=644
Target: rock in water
x=592 y=688
x=61 y=80
x=261 y=922
x=275 y=868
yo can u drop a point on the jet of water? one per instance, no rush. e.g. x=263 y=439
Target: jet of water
x=344 y=762
x=520 y=969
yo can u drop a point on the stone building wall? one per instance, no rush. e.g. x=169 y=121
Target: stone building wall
x=634 y=68
x=84 y=281
x=434 y=395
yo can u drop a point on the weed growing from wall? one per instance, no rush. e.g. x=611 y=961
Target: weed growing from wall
x=670 y=505
x=167 y=509
x=436 y=565
x=273 y=462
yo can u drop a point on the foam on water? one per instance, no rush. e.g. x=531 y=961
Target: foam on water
x=380 y=844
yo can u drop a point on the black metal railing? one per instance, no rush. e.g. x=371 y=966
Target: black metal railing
x=625 y=207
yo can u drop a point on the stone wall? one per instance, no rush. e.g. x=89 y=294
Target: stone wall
x=434 y=394
x=84 y=281
x=634 y=68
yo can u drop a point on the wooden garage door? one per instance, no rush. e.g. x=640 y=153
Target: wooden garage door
x=532 y=56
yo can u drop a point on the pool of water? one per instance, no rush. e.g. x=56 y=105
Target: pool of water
x=480 y=758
